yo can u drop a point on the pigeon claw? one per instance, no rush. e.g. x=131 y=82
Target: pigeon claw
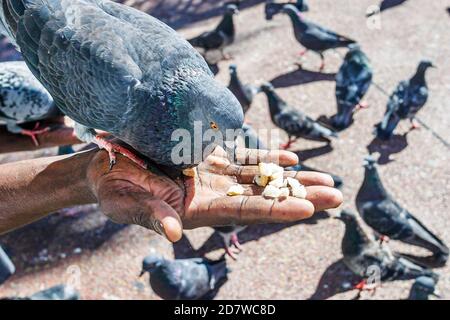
x=235 y=242
x=34 y=133
x=113 y=149
x=362 y=105
x=287 y=145
x=231 y=253
x=414 y=125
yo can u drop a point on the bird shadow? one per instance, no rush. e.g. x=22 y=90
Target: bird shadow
x=332 y=281
x=299 y=77
x=184 y=250
x=396 y=144
x=388 y=4
x=307 y=154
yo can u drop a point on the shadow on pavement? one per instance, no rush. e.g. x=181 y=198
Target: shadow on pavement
x=301 y=76
x=396 y=144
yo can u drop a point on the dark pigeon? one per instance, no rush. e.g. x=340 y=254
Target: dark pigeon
x=113 y=68
x=314 y=37
x=423 y=288
x=245 y=93
x=273 y=8
x=60 y=292
x=352 y=83
x=219 y=38
x=381 y=212
x=184 y=279
x=371 y=261
x=407 y=100
x=23 y=100
x=294 y=122
x=7 y=268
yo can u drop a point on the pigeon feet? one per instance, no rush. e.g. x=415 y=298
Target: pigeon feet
x=384 y=239
x=302 y=53
x=112 y=149
x=34 y=133
x=414 y=125
x=364 y=286
x=234 y=247
x=362 y=105
x=235 y=242
x=287 y=145
x=322 y=66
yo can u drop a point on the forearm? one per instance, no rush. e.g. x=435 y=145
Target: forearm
x=30 y=190
x=10 y=142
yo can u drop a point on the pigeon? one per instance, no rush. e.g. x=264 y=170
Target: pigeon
x=184 y=279
x=60 y=292
x=373 y=262
x=23 y=100
x=409 y=97
x=294 y=122
x=222 y=36
x=352 y=83
x=314 y=37
x=244 y=93
x=114 y=68
x=7 y=268
x=273 y=8
x=338 y=182
x=230 y=238
x=383 y=214
x=423 y=288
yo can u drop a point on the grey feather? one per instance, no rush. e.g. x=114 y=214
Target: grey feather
x=7 y=268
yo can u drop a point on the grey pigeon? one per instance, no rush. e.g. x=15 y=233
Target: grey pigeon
x=230 y=238
x=407 y=100
x=113 y=68
x=243 y=92
x=23 y=100
x=184 y=279
x=423 y=288
x=222 y=36
x=294 y=122
x=383 y=214
x=7 y=268
x=352 y=83
x=371 y=261
x=314 y=37
x=60 y=292
x=273 y=8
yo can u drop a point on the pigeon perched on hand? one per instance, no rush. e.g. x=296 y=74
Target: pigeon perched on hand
x=352 y=83
x=113 y=68
x=184 y=279
x=60 y=292
x=407 y=100
x=219 y=38
x=244 y=93
x=23 y=100
x=295 y=123
x=383 y=214
x=7 y=268
x=373 y=262
x=423 y=288
x=314 y=37
x=273 y=8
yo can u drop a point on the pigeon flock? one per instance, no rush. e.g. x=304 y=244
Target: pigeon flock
x=70 y=68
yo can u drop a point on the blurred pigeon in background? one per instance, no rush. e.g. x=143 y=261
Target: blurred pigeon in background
x=423 y=288
x=23 y=99
x=409 y=97
x=381 y=212
x=295 y=123
x=7 y=268
x=352 y=83
x=117 y=69
x=230 y=238
x=373 y=262
x=60 y=292
x=223 y=35
x=273 y=8
x=243 y=92
x=184 y=279
x=314 y=37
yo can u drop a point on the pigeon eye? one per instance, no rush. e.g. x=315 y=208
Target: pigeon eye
x=213 y=125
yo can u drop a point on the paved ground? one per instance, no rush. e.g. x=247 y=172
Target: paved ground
x=298 y=261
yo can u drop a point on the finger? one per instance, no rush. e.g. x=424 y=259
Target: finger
x=164 y=220
x=324 y=198
x=254 y=209
x=254 y=156
x=246 y=174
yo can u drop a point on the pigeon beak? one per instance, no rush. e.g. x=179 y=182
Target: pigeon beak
x=142 y=273
x=337 y=216
x=433 y=66
x=436 y=294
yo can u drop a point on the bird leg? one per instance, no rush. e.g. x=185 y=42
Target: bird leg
x=288 y=144
x=303 y=52
x=364 y=286
x=235 y=242
x=384 y=239
x=113 y=148
x=362 y=105
x=414 y=124
x=34 y=133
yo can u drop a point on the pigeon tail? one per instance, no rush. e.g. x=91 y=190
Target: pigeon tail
x=218 y=271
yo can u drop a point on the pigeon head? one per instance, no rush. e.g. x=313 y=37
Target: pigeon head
x=424 y=287
x=369 y=162
x=346 y=216
x=231 y=9
x=233 y=68
x=150 y=263
x=425 y=64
